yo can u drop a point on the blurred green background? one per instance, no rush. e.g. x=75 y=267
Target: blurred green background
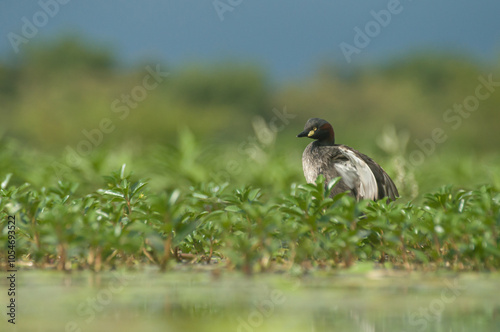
x=230 y=122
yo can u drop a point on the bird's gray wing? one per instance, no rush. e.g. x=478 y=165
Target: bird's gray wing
x=339 y=160
x=363 y=177
x=386 y=187
x=357 y=174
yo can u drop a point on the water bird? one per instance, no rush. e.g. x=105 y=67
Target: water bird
x=360 y=175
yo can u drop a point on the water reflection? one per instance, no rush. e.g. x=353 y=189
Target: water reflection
x=198 y=302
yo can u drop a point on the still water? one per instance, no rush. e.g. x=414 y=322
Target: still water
x=201 y=300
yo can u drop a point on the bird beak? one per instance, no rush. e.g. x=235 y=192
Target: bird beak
x=305 y=133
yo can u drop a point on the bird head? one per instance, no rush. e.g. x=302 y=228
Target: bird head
x=318 y=129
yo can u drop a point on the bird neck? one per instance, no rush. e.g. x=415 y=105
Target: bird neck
x=325 y=143
x=329 y=137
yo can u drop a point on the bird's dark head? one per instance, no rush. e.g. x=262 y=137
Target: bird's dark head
x=320 y=130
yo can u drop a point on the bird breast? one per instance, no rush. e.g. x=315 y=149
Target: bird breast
x=312 y=163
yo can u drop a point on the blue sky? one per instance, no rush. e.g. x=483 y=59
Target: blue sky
x=288 y=38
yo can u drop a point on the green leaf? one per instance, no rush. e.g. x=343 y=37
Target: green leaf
x=332 y=184
x=254 y=193
x=232 y=208
x=214 y=214
x=6 y=181
x=111 y=193
x=200 y=196
x=174 y=197
x=136 y=187
x=182 y=232
x=122 y=171
x=292 y=210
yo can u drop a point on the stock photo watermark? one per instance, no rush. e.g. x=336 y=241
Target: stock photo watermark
x=11 y=269
x=223 y=6
x=371 y=29
x=31 y=25
x=121 y=107
x=93 y=305
x=252 y=146
x=453 y=117
x=263 y=309
x=433 y=312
